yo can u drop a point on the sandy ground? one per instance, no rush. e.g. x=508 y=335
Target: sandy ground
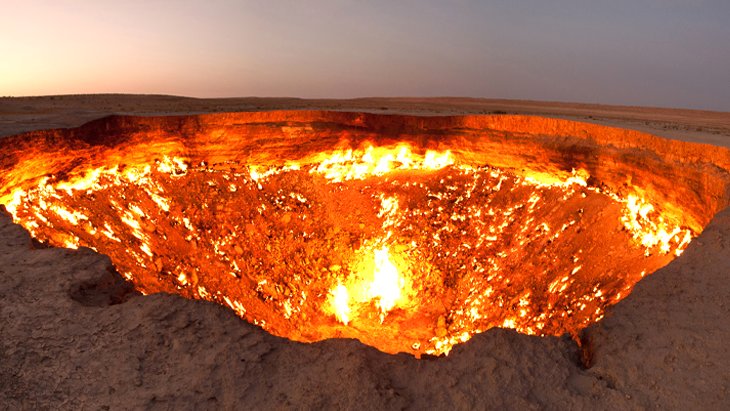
x=73 y=337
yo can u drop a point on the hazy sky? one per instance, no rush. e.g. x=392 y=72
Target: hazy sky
x=638 y=52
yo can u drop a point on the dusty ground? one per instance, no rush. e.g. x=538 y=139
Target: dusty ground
x=68 y=343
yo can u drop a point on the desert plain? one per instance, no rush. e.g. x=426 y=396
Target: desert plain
x=75 y=336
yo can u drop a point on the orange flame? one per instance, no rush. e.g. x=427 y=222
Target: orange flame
x=352 y=164
x=340 y=300
x=377 y=281
x=387 y=285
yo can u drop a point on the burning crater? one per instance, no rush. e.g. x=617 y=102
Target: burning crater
x=410 y=234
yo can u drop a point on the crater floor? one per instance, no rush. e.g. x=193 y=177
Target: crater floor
x=470 y=249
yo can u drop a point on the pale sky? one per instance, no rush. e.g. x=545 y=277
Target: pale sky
x=669 y=53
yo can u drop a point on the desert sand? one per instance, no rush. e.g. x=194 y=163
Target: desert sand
x=74 y=336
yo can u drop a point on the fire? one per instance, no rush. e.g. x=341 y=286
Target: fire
x=653 y=232
x=579 y=177
x=349 y=164
x=375 y=280
x=387 y=285
x=404 y=248
x=341 y=303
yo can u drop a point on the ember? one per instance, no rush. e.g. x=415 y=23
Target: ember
x=403 y=248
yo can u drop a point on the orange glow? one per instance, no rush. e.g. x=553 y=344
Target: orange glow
x=387 y=284
x=406 y=249
x=652 y=230
x=376 y=280
x=349 y=164
x=341 y=303
x=579 y=177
